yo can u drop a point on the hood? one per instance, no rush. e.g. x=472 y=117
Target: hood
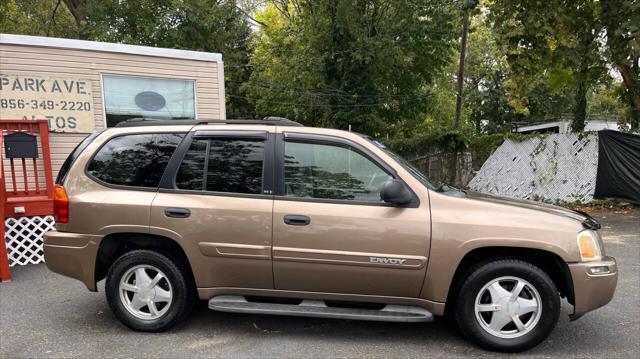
x=586 y=220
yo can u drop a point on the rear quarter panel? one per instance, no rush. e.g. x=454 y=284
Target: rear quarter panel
x=99 y=209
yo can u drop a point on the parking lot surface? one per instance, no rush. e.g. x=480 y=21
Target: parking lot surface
x=43 y=314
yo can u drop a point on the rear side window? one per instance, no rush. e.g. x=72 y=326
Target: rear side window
x=223 y=165
x=134 y=160
x=66 y=166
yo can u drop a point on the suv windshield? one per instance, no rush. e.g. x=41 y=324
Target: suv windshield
x=408 y=166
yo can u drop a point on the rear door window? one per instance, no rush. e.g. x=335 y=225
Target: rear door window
x=137 y=160
x=223 y=165
x=66 y=166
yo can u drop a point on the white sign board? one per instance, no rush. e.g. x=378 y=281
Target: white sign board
x=65 y=101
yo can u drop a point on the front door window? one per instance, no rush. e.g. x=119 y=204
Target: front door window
x=335 y=172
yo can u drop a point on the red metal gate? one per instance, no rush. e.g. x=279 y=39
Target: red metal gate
x=26 y=184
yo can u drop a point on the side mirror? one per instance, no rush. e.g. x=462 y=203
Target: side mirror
x=396 y=192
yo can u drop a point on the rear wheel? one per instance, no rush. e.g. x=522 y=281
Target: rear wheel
x=507 y=305
x=148 y=292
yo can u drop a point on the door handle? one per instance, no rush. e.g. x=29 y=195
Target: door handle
x=296 y=220
x=177 y=212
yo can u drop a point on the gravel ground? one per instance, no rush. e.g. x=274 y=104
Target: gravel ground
x=43 y=314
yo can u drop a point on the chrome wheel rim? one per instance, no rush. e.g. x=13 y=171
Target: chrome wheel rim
x=145 y=292
x=508 y=307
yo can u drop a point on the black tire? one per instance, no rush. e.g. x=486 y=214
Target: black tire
x=465 y=305
x=183 y=293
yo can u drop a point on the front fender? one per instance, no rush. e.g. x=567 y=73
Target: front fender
x=447 y=255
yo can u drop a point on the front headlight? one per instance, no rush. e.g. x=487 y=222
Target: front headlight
x=589 y=246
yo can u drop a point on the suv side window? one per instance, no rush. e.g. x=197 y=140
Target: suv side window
x=331 y=172
x=223 y=165
x=134 y=160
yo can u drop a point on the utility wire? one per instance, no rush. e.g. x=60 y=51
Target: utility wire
x=312 y=105
x=333 y=93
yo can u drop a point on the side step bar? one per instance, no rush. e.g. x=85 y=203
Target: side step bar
x=318 y=309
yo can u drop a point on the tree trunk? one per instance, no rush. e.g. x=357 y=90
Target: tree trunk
x=580 y=105
x=633 y=94
x=463 y=52
x=617 y=20
x=76 y=8
x=580 y=109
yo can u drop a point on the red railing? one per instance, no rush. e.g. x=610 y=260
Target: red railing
x=5 y=274
x=28 y=181
x=26 y=184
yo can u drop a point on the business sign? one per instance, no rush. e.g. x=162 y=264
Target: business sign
x=65 y=101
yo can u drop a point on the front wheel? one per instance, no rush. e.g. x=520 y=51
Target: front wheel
x=148 y=292
x=507 y=305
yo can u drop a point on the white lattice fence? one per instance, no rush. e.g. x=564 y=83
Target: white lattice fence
x=557 y=167
x=24 y=240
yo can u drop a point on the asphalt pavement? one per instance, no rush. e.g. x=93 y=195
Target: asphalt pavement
x=43 y=314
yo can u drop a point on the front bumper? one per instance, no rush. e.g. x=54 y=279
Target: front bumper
x=72 y=255
x=592 y=291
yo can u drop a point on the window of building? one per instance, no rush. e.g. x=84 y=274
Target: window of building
x=230 y=165
x=127 y=97
x=134 y=160
x=331 y=172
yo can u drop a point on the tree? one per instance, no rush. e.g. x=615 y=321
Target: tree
x=36 y=17
x=550 y=39
x=200 y=25
x=621 y=20
x=486 y=97
x=78 y=8
x=359 y=64
x=542 y=39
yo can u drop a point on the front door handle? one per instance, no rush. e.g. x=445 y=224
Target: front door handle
x=296 y=220
x=177 y=212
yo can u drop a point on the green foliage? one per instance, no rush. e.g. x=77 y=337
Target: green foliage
x=622 y=21
x=486 y=71
x=35 y=17
x=364 y=64
x=385 y=68
x=560 y=45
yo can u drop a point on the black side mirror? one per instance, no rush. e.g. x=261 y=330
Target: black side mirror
x=396 y=192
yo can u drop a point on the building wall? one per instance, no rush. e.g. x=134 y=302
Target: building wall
x=91 y=64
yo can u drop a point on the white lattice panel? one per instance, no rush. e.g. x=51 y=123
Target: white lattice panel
x=557 y=167
x=24 y=238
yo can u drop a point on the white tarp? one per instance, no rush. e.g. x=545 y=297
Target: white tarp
x=557 y=167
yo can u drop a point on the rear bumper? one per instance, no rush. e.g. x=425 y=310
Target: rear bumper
x=72 y=255
x=592 y=291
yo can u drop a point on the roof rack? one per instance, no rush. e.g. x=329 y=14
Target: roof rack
x=147 y=121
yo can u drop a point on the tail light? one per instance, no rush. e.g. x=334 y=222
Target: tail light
x=60 y=204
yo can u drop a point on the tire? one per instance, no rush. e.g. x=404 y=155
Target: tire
x=538 y=291
x=136 y=268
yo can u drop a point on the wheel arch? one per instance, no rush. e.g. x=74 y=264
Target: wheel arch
x=114 y=245
x=551 y=263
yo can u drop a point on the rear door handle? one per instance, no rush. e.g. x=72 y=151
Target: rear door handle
x=177 y=212
x=296 y=220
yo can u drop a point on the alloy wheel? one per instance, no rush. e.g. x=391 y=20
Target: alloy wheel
x=145 y=292
x=508 y=307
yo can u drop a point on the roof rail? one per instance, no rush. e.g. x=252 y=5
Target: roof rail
x=147 y=121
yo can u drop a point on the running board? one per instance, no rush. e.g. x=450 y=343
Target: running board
x=318 y=309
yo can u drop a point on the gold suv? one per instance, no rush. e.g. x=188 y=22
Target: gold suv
x=271 y=217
